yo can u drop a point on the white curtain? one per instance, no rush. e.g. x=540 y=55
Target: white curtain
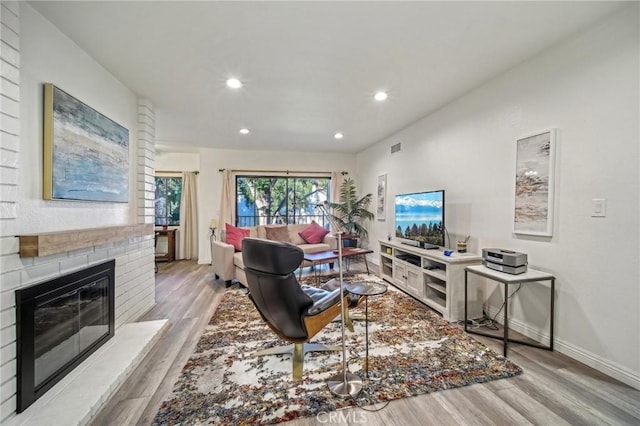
x=227 y=208
x=336 y=180
x=188 y=247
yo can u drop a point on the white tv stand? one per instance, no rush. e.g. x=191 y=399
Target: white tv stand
x=431 y=277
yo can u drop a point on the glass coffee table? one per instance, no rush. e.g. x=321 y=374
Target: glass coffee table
x=366 y=289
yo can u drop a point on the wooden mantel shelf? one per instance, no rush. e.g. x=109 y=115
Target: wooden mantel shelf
x=48 y=243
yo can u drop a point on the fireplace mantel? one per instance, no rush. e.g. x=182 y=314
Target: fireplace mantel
x=48 y=243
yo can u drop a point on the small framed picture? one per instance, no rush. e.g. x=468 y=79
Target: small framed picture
x=381 y=197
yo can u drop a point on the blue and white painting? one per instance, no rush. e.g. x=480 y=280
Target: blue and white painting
x=90 y=153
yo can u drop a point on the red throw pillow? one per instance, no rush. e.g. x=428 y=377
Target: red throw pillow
x=313 y=234
x=234 y=235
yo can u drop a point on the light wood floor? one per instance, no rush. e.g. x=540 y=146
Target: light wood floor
x=554 y=389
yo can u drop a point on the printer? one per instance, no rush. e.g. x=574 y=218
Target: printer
x=511 y=262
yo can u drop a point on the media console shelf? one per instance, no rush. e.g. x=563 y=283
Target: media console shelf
x=431 y=277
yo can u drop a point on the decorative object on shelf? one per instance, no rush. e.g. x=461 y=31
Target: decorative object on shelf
x=535 y=167
x=382 y=197
x=86 y=155
x=462 y=245
x=349 y=212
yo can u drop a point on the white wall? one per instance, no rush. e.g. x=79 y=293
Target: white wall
x=177 y=161
x=48 y=56
x=588 y=88
x=210 y=179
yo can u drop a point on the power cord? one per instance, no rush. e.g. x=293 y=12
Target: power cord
x=486 y=321
x=448 y=238
x=493 y=321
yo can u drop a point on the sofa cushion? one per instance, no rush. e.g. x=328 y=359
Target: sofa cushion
x=314 y=248
x=313 y=233
x=277 y=233
x=234 y=235
x=294 y=233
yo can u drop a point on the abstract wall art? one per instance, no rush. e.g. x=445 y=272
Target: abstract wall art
x=382 y=197
x=86 y=155
x=535 y=166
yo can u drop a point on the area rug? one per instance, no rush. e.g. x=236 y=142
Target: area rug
x=412 y=351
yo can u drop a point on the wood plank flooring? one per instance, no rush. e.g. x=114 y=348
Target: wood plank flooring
x=554 y=389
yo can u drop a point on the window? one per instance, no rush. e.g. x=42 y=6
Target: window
x=167 y=202
x=266 y=200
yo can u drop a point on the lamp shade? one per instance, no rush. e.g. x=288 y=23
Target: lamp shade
x=214 y=224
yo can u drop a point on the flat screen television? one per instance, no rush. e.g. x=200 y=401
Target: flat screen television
x=420 y=218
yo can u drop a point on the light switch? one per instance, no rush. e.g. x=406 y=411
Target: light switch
x=599 y=207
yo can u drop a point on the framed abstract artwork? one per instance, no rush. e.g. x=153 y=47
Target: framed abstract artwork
x=86 y=155
x=535 y=169
x=382 y=197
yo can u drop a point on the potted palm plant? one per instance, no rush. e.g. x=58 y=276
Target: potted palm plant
x=350 y=211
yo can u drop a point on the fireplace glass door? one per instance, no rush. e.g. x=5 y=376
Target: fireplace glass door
x=59 y=324
x=67 y=325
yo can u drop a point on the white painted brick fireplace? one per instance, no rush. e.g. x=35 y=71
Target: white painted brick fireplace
x=22 y=213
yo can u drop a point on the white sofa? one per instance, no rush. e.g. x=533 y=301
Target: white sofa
x=227 y=263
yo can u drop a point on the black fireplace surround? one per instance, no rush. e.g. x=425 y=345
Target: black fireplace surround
x=59 y=324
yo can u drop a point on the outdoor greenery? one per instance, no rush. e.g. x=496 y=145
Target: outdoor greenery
x=263 y=200
x=351 y=211
x=167 y=202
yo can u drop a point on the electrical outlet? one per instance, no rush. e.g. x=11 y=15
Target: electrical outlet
x=598 y=207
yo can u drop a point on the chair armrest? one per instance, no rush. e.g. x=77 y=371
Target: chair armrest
x=334 y=283
x=327 y=301
x=222 y=260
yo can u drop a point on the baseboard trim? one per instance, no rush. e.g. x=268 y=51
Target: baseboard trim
x=603 y=365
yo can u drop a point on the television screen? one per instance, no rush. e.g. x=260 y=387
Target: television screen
x=420 y=217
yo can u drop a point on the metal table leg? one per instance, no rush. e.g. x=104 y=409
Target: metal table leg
x=506 y=318
x=366 y=333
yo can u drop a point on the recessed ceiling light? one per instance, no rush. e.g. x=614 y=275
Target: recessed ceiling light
x=380 y=96
x=338 y=135
x=234 y=83
x=244 y=131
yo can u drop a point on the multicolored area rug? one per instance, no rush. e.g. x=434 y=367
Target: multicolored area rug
x=412 y=351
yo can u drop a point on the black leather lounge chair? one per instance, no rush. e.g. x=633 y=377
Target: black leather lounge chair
x=295 y=313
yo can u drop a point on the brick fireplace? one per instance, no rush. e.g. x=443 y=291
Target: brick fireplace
x=130 y=247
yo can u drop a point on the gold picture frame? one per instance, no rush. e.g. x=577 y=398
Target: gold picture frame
x=85 y=154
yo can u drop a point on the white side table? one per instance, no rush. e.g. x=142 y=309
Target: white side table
x=507 y=279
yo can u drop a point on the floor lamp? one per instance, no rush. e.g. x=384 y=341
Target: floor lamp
x=342 y=384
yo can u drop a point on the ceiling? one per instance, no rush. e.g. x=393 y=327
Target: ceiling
x=310 y=69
